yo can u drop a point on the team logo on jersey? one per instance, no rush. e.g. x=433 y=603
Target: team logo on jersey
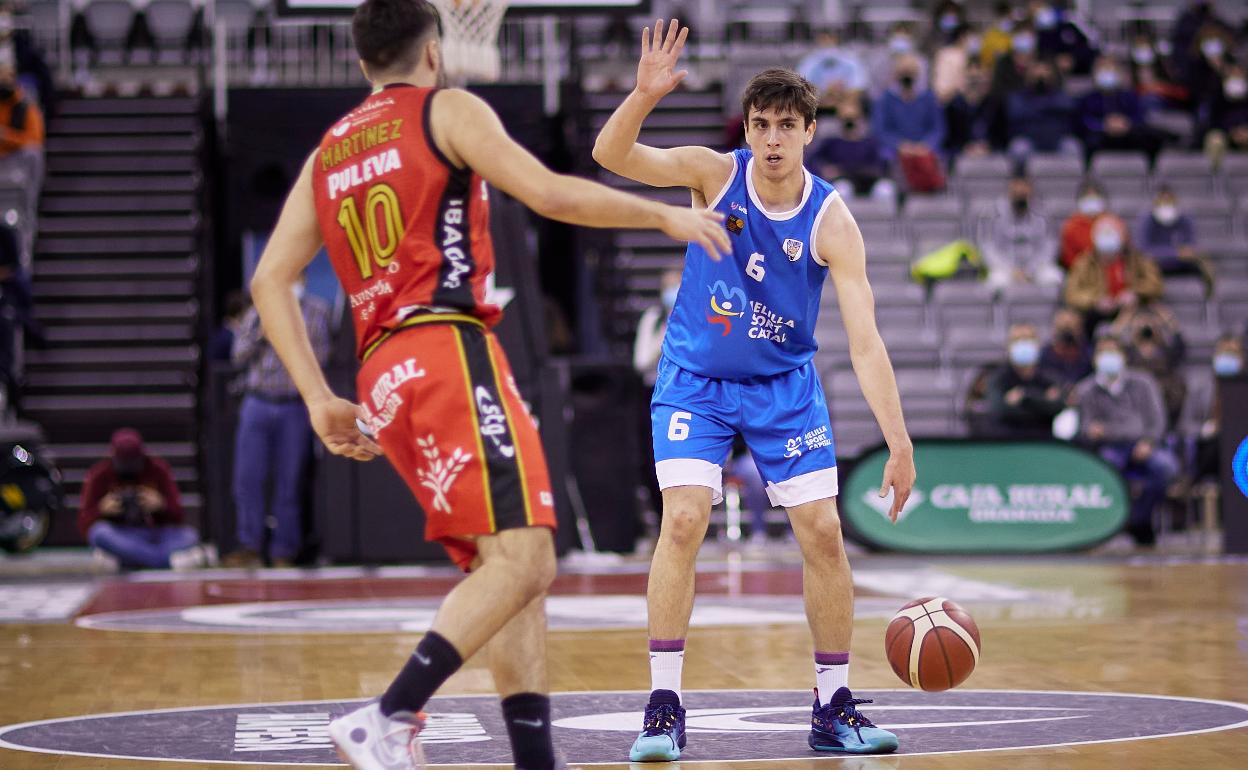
x=341 y=129
x=793 y=248
x=735 y=224
x=439 y=473
x=726 y=303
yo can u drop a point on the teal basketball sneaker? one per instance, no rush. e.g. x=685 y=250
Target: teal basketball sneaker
x=662 y=731
x=839 y=726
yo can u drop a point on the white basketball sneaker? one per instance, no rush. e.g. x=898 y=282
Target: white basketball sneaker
x=369 y=740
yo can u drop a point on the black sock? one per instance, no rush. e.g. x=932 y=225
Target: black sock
x=527 y=715
x=431 y=664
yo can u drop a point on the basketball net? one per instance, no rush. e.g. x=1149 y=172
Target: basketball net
x=470 y=39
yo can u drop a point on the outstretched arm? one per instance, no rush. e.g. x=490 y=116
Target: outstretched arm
x=840 y=244
x=468 y=132
x=294 y=243
x=617 y=148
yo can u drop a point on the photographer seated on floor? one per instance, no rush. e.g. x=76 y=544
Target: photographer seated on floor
x=132 y=514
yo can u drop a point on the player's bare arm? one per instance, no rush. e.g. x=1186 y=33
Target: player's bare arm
x=617 y=149
x=840 y=244
x=470 y=134
x=294 y=243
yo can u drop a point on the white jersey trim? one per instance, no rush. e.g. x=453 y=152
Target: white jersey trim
x=691 y=472
x=814 y=230
x=780 y=216
x=731 y=178
x=806 y=488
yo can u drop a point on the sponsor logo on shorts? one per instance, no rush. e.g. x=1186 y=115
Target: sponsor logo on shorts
x=744 y=726
x=440 y=473
x=546 y=499
x=493 y=422
x=818 y=438
x=452 y=237
x=385 y=396
x=793 y=448
x=793 y=248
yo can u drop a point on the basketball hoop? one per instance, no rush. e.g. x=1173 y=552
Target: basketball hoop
x=470 y=39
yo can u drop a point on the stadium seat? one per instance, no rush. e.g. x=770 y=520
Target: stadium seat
x=170 y=23
x=970 y=347
x=1055 y=177
x=1187 y=173
x=963 y=303
x=981 y=176
x=1234 y=171
x=1122 y=173
x=109 y=23
x=935 y=216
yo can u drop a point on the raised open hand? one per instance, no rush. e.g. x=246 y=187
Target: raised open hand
x=656 y=71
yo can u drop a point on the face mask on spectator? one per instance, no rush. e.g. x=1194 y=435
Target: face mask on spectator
x=1166 y=213
x=1236 y=88
x=1005 y=25
x=1024 y=42
x=1106 y=79
x=1109 y=363
x=1024 y=352
x=1142 y=55
x=1227 y=364
x=1091 y=205
x=900 y=44
x=974 y=45
x=1019 y=204
x=1046 y=18
x=669 y=296
x=1107 y=241
x=948 y=22
x=1211 y=47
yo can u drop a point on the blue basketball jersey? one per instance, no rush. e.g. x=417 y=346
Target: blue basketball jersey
x=753 y=313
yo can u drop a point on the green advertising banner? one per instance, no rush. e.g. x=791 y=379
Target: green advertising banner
x=990 y=497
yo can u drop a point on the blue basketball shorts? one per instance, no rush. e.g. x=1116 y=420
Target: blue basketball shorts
x=783 y=419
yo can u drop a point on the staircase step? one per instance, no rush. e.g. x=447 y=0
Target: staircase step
x=185 y=476
x=155 y=185
x=180 y=224
x=676 y=101
x=181 y=144
x=122 y=126
x=128 y=335
x=61 y=165
x=55 y=205
x=143 y=106
x=115 y=290
x=119 y=312
x=105 y=406
x=129 y=244
x=192 y=503
x=86 y=454
x=162 y=267
x=155 y=358
x=53 y=383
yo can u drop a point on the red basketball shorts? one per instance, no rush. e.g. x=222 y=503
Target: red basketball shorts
x=445 y=409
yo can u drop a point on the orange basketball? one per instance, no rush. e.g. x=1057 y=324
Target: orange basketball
x=932 y=644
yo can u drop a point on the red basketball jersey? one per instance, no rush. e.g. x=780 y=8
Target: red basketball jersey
x=406 y=231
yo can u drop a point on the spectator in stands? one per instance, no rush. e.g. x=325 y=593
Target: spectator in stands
x=1201 y=420
x=1023 y=398
x=1112 y=117
x=1040 y=117
x=21 y=129
x=1110 y=277
x=1062 y=37
x=222 y=343
x=1199 y=16
x=274 y=438
x=1168 y=235
x=1153 y=78
x=131 y=511
x=854 y=159
x=967 y=114
x=1228 y=116
x=1067 y=359
x=33 y=72
x=950 y=64
x=910 y=125
x=948 y=18
x=16 y=316
x=881 y=60
x=1015 y=241
x=1009 y=75
x=834 y=70
x=1208 y=68
x=1122 y=417
x=1091 y=201
x=998 y=39
x=1154 y=343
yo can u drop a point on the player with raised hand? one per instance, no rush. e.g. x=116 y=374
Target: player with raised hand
x=397 y=193
x=737 y=358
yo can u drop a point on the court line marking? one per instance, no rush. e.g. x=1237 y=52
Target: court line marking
x=6 y=729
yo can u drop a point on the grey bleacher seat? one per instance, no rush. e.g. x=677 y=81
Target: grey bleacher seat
x=895 y=249
x=1234 y=170
x=1055 y=176
x=1228 y=253
x=1183 y=289
x=170 y=22
x=936 y=216
x=1211 y=213
x=969 y=347
x=236 y=15
x=910 y=346
x=1030 y=304
x=963 y=303
x=981 y=176
x=1200 y=343
x=1187 y=173
x=1190 y=315
x=901 y=305
x=109 y=22
x=1122 y=173
x=1233 y=315
x=928 y=426
x=866 y=209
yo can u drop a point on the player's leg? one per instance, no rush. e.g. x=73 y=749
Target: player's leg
x=517 y=659
x=691 y=443
x=789 y=434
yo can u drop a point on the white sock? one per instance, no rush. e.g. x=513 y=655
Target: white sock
x=831 y=674
x=667 y=660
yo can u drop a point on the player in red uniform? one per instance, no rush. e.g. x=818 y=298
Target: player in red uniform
x=397 y=193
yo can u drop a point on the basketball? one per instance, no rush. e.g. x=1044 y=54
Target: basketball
x=932 y=644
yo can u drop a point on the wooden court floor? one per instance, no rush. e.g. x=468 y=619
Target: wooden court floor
x=1106 y=626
